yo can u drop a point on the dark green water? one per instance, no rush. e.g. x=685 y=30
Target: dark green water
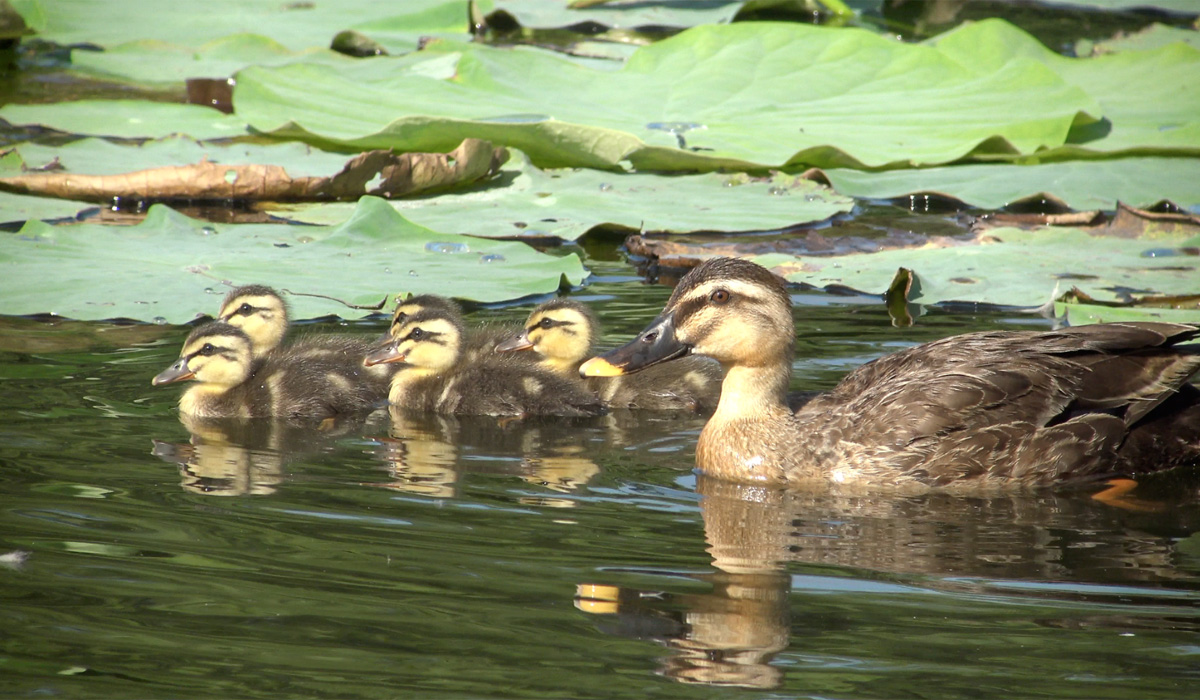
x=465 y=559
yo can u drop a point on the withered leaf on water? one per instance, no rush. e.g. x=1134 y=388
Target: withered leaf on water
x=380 y=173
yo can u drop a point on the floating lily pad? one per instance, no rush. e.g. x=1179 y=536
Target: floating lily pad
x=1152 y=37
x=1012 y=267
x=96 y=156
x=527 y=201
x=172 y=268
x=749 y=95
x=131 y=119
x=296 y=25
x=1087 y=184
x=159 y=64
x=1150 y=100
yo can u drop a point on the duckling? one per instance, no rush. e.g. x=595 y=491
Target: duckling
x=562 y=332
x=231 y=383
x=478 y=342
x=436 y=378
x=261 y=313
x=995 y=409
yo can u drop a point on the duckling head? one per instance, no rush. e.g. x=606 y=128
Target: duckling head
x=217 y=354
x=561 y=331
x=261 y=314
x=413 y=305
x=429 y=340
x=734 y=311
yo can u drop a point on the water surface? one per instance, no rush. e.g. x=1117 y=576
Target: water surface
x=456 y=558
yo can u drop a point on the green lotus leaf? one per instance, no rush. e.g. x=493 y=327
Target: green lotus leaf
x=743 y=96
x=173 y=268
x=1139 y=182
x=1152 y=37
x=1150 y=100
x=1012 y=267
x=130 y=119
x=527 y=201
x=296 y=25
x=96 y=156
x=1077 y=314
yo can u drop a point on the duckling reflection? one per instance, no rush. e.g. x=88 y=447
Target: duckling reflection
x=429 y=454
x=239 y=457
x=995 y=546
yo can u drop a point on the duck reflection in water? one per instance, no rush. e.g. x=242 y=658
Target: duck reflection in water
x=977 y=547
x=427 y=454
x=244 y=457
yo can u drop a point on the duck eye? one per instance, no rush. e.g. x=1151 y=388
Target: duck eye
x=417 y=334
x=245 y=309
x=546 y=323
x=207 y=350
x=719 y=297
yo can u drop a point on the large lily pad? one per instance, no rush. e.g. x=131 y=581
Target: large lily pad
x=172 y=268
x=1012 y=267
x=749 y=95
x=131 y=119
x=162 y=65
x=1139 y=182
x=296 y=25
x=96 y=156
x=527 y=201
x=1152 y=37
x=1150 y=99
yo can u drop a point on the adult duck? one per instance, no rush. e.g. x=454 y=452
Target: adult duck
x=995 y=409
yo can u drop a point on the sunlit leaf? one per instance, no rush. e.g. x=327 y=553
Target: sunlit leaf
x=132 y=119
x=527 y=201
x=739 y=96
x=1080 y=184
x=1150 y=100
x=296 y=25
x=172 y=268
x=1011 y=267
x=1152 y=37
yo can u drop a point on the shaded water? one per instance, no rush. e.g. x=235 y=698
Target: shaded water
x=460 y=558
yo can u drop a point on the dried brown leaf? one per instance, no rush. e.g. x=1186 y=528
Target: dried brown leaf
x=379 y=173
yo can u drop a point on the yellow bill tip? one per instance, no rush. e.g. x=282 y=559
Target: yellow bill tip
x=600 y=367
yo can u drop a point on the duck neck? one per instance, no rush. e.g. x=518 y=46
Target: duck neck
x=404 y=380
x=562 y=367
x=750 y=392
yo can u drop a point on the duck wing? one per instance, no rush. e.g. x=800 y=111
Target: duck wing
x=1030 y=407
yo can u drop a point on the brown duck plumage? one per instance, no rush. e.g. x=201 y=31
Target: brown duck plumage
x=980 y=410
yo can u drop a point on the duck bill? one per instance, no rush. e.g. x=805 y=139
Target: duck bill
x=387 y=354
x=177 y=372
x=520 y=342
x=654 y=345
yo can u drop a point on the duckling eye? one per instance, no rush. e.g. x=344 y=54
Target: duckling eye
x=417 y=334
x=546 y=323
x=245 y=309
x=207 y=350
x=720 y=297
